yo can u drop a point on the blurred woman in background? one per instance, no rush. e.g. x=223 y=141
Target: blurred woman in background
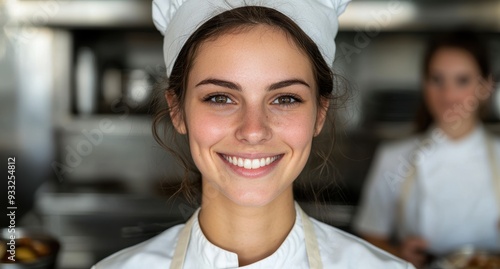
x=439 y=190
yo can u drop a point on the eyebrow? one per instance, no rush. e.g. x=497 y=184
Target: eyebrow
x=235 y=86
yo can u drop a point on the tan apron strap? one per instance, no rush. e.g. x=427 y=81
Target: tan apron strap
x=408 y=182
x=312 y=246
x=495 y=166
x=406 y=187
x=182 y=244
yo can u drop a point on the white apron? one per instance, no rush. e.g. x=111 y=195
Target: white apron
x=311 y=241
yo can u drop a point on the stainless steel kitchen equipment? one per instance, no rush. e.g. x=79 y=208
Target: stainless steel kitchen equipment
x=107 y=174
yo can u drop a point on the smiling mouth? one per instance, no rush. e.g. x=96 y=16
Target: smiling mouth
x=251 y=163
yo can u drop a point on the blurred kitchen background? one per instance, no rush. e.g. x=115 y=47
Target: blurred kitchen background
x=76 y=80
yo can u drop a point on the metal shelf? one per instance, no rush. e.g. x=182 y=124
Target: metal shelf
x=90 y=13
x=388 y=15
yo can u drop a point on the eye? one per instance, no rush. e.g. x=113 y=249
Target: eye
x=463 y=81
x=436 y=79
x=218 y=99
x=286 y=100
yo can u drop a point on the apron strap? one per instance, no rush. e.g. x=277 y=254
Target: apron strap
x=312 y=246
x=182 y=244
x=406 y=187
x=495 y=166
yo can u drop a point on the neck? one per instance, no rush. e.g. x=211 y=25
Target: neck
x=457 y=132
x=253 y=233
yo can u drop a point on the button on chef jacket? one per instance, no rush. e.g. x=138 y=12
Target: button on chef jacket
x=452 y=202
x=339 y=250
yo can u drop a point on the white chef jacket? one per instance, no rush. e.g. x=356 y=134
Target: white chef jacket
x=339 y=250
x=452 y=202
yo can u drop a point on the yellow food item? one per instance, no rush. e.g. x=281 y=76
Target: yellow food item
x=25 y=254
x=28 y=250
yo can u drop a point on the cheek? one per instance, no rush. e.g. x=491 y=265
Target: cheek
x=297 y=131
x=434 y=102
x=467 y=93
x=431 y=97
x=206 y=129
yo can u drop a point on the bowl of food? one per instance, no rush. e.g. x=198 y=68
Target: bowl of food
x=468 y=258
x=28 y=249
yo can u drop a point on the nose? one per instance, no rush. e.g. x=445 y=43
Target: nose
x=449 y=93
x=254 y=127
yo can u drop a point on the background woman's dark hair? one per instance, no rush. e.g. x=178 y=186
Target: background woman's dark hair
x=232 y=21
x=464 y=40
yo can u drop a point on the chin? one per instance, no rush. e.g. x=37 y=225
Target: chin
x=254 y=198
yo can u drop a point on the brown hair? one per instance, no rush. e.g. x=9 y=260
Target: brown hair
x=465 y=40
x=237 y=19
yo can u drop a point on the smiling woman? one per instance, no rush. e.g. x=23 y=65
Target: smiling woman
x=249 y=88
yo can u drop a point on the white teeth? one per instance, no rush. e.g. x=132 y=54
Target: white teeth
x=255 y=163
x=250 y=163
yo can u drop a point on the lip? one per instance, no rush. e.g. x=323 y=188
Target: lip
x=251 y=155
x=252 y=173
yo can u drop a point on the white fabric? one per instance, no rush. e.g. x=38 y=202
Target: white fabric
x=452 y=202
x=178 y=19
x=213 y=256
x=338 y=249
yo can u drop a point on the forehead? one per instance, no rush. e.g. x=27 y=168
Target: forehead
x=260 y=50
x=451 y=58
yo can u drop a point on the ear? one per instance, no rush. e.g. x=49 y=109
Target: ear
x=324 y=104
x=175 y=114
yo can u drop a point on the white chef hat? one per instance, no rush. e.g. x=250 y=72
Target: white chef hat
x=177 y=20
